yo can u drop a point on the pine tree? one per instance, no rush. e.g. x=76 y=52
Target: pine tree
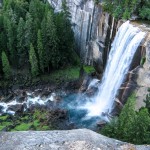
x=147 y=101
x=28 y=31
x=65 y=9
x=3 y=38
x=20 y=9
x=32 y=9
x=20 y=42
x=11 y=36
x=126 y=119
x=6 y=66
x=43 y=32
x=37 y=11
x=33 y=61
x=41 y=52
x=52 y=53
x=141 y=128
x=66 y=43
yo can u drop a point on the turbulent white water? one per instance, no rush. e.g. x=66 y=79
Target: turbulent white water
x=29 y=101
x=121 y=54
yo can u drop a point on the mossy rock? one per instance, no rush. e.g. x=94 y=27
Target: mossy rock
x=45 y=128
x=2 y=127
x=4 y=117
x=23 y=127
x=89 y=69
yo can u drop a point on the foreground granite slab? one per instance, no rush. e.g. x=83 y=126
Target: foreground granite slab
x=80 y=139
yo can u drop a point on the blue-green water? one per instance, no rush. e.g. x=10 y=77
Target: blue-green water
x=77 y=115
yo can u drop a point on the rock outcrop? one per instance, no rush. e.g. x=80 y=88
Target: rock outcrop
x=81 y=139
x=143 y=76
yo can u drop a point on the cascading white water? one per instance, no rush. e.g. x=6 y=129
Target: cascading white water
x=121 y=54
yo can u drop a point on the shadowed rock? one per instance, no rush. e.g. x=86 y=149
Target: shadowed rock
x=9 y=98
x=16 y=108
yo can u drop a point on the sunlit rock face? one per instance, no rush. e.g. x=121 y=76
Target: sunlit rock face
x=143 y=78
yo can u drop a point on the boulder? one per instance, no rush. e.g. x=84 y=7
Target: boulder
x=85 y=83
x=18 y=108
x=1 y=109
x=49 y=104
x=80 y=139
x=36 y=106
x=58 y=118
x=37 y=92
x=101 y=123
x=21 y=99
x=57 y=115
x=25 y=106
x=45 y=94
x=91 y=92
x=57 y=98
x=24 y=94
x=9 y=98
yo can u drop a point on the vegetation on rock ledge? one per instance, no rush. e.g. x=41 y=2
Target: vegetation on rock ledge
x=131 y=126
x=125 y=8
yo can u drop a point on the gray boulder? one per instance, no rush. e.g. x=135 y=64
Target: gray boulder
x=81 y=139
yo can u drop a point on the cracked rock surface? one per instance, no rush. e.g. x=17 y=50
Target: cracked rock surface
x=80 y=139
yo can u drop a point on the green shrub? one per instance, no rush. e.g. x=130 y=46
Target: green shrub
x=145 y=13
x=143 y=61
x=130 y=126
x=125 y=9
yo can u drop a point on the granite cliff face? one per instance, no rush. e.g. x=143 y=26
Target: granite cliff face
x=143 y=72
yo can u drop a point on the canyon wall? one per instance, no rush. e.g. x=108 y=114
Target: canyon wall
x=94 y=32
x=140 y=77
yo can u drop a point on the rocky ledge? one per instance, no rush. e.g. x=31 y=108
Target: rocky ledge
x=81 y=139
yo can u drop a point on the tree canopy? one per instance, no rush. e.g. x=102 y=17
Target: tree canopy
x=126 y=8
x=24 y=22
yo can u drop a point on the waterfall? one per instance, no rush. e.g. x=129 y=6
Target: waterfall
x=121 y=54
x=86 y=109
